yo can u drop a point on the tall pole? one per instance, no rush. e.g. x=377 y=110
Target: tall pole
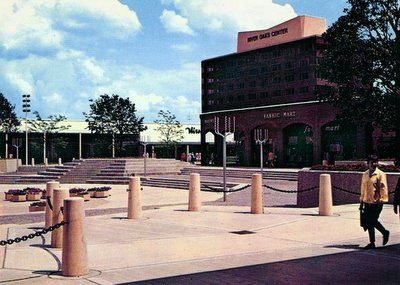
x=44 y=147
x=229 y=130
x=113 y=146
x=26 y=109
x=261 y=137
x=224 y=164
x=80 y=145
x=6 y=145
x=145 y=159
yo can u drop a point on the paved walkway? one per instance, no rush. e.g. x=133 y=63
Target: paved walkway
x=219 y=245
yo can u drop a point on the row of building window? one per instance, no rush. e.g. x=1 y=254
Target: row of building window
x=302 y=49
x=272 y=67
x=261 y=83
x=260 y=95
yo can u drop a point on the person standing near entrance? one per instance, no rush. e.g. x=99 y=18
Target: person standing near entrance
x=374 y=193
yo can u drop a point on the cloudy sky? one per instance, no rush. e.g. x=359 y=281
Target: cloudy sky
x=65 y=52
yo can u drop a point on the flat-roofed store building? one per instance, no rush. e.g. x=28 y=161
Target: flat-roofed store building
x=270 y=83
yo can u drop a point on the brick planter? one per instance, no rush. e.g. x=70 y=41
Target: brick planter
x=85 y=196
x=7 y=196
x=36 y=208
x=34 y=196
x=101 y=194
x=18 y=198
x=348 y=180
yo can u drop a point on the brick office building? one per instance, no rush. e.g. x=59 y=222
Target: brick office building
x=270 y=83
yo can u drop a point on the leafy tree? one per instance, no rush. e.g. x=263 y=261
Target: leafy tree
x=115 y=116
x=8 y=118
x=169 y=128
x=362 y=59
x=51 y=125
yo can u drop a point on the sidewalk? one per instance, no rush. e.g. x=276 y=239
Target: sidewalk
x=219 y=245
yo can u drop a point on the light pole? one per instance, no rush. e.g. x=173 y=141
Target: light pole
x=144 y=143
x=26 y=109
x=261 y=137
x=226 y=132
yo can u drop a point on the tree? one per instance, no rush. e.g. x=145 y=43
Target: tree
x=8 y=119
x=362 y=60
x=115 y=116
x=169 y=128
x=49 y=126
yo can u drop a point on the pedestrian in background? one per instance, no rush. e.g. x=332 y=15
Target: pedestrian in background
x=396 y=198
x=373 y=194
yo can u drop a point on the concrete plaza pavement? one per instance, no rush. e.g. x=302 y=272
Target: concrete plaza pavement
x=219 y=245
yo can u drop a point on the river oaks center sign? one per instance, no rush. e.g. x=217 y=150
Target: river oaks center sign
x=267 y=35
x=294 y=29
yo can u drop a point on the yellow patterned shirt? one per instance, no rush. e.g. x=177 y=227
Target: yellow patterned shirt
x=374 y=189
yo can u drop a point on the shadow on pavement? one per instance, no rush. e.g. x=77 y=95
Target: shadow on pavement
x=354 y=267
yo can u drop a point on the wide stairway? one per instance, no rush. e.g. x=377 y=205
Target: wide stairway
x=119 y=171
x=241 y=173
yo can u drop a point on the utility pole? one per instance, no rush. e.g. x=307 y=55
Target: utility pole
x=228 y=130
x=26 y=109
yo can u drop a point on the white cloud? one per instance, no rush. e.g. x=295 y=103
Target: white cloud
x=182 y=47
x=43 y=25
x=174 y=23
x=237 y=15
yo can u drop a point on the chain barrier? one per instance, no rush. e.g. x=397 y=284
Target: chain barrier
x=32 y=235
x=291 y=191
x=353 y=192
x=345 y=190
x=218 y=190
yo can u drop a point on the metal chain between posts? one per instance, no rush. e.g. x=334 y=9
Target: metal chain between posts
x=291 y=191
x=32 y=235
x=217 y=190
x=352 y=192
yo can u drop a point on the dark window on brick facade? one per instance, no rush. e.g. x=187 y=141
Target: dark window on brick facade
x=303 y=89
x=276 y=67
x=252 y=84
x=263 y=95
x=240 y=97
x=252 y=96
x=289 y=91
x=304 y=76
x=277 y=79
x=276 y=93
x=289 y=78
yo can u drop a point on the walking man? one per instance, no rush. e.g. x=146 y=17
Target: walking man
x=374 y=193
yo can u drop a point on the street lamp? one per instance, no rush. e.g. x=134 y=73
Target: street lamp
x=26 y=109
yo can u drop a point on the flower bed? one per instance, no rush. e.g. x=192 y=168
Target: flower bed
x=354 y=167
x=37 y=206
x=73 y=192
x=8 y=195
x=100 y=192
x=18 y=196
x=33 y=194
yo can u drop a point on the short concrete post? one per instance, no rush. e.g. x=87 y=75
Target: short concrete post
x=46 y=161
x=50 y=186
x=58 y=199
x=59 y=161
x=33 y=161
x=74 y=247
x=256 y=194
x=134 y=198
x=325 y=195
x=194 y=192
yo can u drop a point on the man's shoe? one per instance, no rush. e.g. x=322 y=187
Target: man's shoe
x=369 y=246
x=386 y=237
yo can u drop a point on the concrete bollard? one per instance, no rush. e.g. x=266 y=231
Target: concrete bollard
x=50 y=186
x=59 y=161
x=325 y=195
x=33 y=161
x=194 y=192
x=134 y=198
x=58 y=199
x=74 y=247
x=256 y=194
x=46 y=161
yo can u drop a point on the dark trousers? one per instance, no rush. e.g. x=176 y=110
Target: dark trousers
x=373 y=211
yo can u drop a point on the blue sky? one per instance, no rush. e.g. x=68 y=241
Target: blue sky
x=65 y=52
